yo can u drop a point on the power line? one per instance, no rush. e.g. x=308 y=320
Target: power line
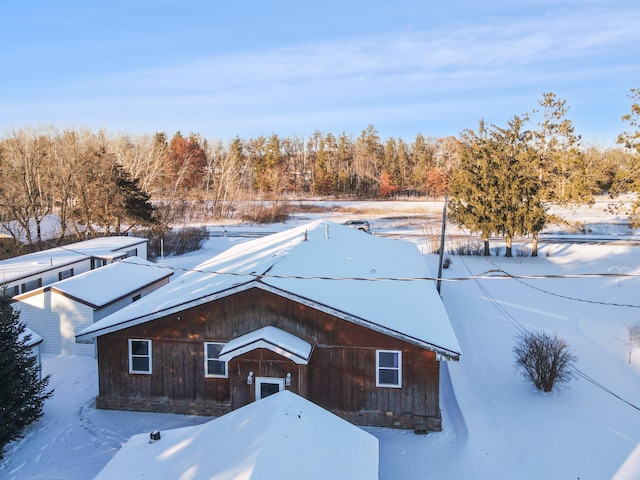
x=510 y=318
x=493 y=274
x=522 y=329
x=602 y=387
x=567 y=297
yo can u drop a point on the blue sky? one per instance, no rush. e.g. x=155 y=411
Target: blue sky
x=250 y=68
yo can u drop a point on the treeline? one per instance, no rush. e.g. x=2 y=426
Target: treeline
x=98 y=183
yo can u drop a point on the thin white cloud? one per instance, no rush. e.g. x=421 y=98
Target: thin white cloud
x=394 y=75
x=473 y=53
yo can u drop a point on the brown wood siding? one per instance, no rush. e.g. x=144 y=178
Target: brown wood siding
x=263 y=363
x=345 y=379
x=340 y=376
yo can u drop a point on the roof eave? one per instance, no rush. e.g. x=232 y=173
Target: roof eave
x=90 y=336
x=442 y=352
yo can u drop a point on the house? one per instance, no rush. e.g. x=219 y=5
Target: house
x=350 y=321
x=34 y=270
x=62 y=309
x=283 y=436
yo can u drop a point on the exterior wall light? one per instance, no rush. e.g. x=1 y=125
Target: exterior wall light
x=250 y=378
x=287 y=380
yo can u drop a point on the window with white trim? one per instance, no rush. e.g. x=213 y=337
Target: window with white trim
x=139 y=356
x=213 y=367
x=389 y=368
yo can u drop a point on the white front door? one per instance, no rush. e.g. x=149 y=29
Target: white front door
x=266 y=386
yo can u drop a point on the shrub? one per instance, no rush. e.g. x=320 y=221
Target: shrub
x=266 y=213
x=543 y=359
x=472 y=247
x=185 y=240
x=175 y=241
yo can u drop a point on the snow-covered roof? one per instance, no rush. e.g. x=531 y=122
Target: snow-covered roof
x=34 y=338
x=282 y=436
x=377 y=282
x=101 y=286
x=29 y=264
x=271 y=338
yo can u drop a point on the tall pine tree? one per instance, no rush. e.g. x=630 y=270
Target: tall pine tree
x=131 y=203
x=473 y=187
x=627 y=178
x=496 y=189
x=22 y=391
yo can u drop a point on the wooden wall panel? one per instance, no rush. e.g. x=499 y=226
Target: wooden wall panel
x=340 y=375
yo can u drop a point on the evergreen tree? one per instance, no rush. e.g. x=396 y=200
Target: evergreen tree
x=627 y=178
x=422 y=152
x=322 y=181
x=473 y=187
x=496 y=188
x=563 y=166
x=22 y=391
x=518 y=205
x=631 y=140
x=135 y=205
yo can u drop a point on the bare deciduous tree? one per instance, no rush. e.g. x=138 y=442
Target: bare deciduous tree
x=25 y=194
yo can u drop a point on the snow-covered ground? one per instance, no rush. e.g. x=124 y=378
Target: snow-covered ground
x=495 y=424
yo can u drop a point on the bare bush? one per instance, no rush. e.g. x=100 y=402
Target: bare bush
x=470 y=247
x=176 y=242
x=543 y=359
x=265 y=213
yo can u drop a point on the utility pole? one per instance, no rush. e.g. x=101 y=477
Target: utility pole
x=444 y=224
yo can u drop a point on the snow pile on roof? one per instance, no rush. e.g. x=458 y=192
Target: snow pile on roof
x=122 y=277
x=378 y=282
x=282 y=436
x=34 y=338
x=272 y=338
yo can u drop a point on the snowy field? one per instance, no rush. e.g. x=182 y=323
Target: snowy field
x=495 y=424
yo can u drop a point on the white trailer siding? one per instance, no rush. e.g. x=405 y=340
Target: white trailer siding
x=61 y=310
x=73 y=317
x=56 y=319
x=35 y=312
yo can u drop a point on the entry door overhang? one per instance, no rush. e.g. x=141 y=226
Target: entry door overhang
x=271 y=338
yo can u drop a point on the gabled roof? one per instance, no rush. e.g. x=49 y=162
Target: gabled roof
x=102 y=286
x=272 y=338
x=23 y=266
x=282 y=437
x=376 y=282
